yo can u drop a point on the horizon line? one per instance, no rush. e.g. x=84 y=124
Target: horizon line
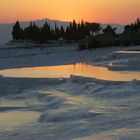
x=35 y=20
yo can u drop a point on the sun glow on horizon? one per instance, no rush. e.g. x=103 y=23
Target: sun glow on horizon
x=103 y=11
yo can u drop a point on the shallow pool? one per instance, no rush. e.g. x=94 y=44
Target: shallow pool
x=13 y=119
x=79 y=69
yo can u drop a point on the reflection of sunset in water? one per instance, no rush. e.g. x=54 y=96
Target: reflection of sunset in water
x=80 y=69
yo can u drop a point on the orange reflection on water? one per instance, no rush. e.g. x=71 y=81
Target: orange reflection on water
x=80 y=69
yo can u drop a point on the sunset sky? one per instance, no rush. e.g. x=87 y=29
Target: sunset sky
x=103 y=11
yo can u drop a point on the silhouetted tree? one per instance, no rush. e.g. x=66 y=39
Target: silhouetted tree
x=94 y=28
x=131 y=34
x=62 y=32
x=109 y=31
x=17 y=31
x=45 y=33
x=57 y=32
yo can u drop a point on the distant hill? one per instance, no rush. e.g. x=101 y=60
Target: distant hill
x=6 y=29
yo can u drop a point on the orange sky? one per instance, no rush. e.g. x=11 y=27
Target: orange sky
x=103 y=11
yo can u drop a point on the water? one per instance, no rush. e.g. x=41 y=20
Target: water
x=80 y=69
x=70 y=110
x=14 y=113
x=13 y=119
x=129 y=52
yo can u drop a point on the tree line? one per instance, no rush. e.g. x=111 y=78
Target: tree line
x=91 y=35
x=109 y=38
x=42 y=34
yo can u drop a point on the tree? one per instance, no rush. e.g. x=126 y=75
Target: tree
x=131 y=34
x=62 y=32
x=45 y=33
x=57 y=32
x=17 y=31
x=109 y=31
x=94 y=28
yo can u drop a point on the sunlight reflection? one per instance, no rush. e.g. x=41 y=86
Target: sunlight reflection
x=80 y=69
